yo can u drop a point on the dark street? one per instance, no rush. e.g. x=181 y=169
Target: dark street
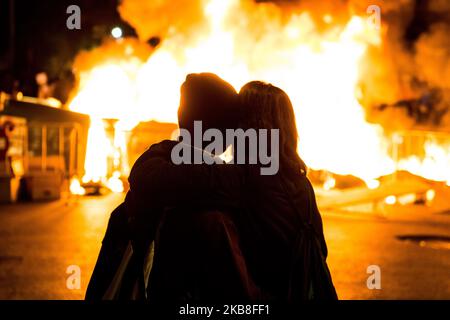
x=40 y=240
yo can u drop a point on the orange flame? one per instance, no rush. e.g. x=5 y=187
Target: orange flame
x=319 y=71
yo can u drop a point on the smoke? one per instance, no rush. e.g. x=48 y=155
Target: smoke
x=410 y=72
x=110 y=51
x=404 y=82
x=432 y=56
x=163 y=18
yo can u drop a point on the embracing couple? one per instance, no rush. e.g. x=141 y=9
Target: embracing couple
x=215 y=230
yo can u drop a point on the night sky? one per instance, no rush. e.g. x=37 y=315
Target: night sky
x=42 y=41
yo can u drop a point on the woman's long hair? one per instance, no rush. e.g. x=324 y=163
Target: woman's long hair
x=265 y=106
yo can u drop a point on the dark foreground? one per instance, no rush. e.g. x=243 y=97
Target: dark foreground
x=40 y=241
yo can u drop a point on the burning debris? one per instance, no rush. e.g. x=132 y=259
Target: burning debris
x=401 y=195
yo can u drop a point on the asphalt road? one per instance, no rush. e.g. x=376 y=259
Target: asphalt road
x=39 y=241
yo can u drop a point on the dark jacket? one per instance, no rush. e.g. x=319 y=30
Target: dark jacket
x=277 y=223
x=113 y=247
x=195 y=243
x=277 y=219
x=121 y=231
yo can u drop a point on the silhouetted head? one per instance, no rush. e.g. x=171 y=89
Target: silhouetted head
x=206 y=97
x=265 y=106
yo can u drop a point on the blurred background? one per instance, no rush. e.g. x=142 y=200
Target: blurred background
x=86 y=87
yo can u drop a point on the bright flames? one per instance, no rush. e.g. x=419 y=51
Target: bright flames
x=319 y=71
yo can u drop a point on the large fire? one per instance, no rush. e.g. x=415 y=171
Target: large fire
x=318 y=69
